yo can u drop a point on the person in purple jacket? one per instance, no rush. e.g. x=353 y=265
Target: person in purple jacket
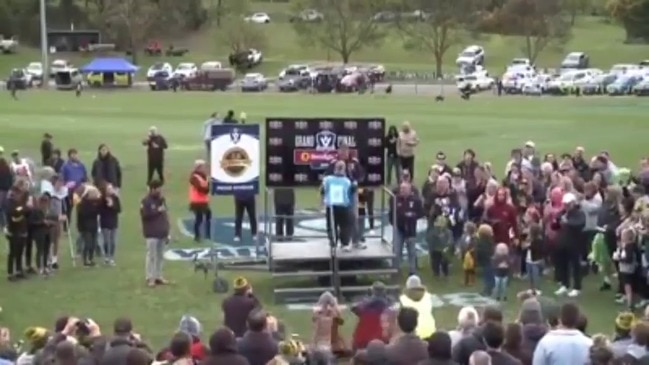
x=74 y=174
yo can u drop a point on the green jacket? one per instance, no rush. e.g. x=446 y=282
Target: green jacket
x=439 y=239
x=484 y=250
x=599 y=251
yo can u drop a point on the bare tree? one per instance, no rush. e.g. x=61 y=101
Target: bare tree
x=436 y=25
x=133 y=21
x=540 y=24
x=347 y=26
x=240 y=35
x=227 y=9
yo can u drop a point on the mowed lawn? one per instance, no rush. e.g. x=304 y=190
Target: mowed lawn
x=491 y=126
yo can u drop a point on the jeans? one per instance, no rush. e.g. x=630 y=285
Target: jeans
x=89 y=240
x=154 y=257
x=534 y=274
x=3 y=203
x=500 y=287
x=360 y=228
x=15 y=256
x=411 y=248
x=487 y=280
x=392 y=162
x=438 y=263
x=110 y=237
x=568 y=266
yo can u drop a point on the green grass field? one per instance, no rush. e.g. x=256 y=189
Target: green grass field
x=604 y=43
x=491 y=126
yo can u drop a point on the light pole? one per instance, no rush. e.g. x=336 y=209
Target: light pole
x=44 y=47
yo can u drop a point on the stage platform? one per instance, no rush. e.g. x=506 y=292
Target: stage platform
x=286 y=252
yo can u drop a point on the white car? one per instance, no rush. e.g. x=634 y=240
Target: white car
x=520 y=62
x=59 y=66
x=211 y=65
x=622 y=68
x=255 y=56
x=471 y=55
x=159 y=67
x=258 y=18
x=294 y=70
x=513 y=81
x=186 y=69
x=35 y=69
x=477 y=82
x=8 y=45
x=254 y=82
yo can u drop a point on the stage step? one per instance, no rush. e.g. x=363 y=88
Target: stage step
x=364 y=288
x=368 y=272
x=310 y=290
x=297 y=274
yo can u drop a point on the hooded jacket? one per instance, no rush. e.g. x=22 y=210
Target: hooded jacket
x=468 y=345
x=502 y=217
x=561 y=347
x=572 y=224
x=236 y=309
x=257 y=347
x=223 y=347
x=106 y=169
x=369 y=327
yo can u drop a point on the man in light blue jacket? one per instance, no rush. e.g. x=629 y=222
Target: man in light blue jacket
x=566 y=344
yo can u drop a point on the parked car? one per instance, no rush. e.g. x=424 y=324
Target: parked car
x=163 y=80
x=622 y=68
x=598 y=84
x=258 y=18
x=623 y=85
x=158 y=67
x=209 y=80
x=385 y=16
x=19 y=79
x=254 y=82
x=68 y=79
x=211 y=65
x=185 y=69
x=246 y=59
x=307 y=15
x=471 y=55
x=575 y=60
x=8 y=45
x=565 y=84
x=520 y=62
x=294 y=70
x=644 y=63
x=475 y=82
x=294 y=83
x=35 y=69
x=59 y=65
x=642 y=88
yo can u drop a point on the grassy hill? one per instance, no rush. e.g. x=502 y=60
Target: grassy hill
x=604 y=43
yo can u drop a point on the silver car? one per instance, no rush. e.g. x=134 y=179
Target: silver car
x=254 y=82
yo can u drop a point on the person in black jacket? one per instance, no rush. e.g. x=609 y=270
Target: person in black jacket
x=47 y=148
x=475 y=341
x=6 y=182
x=106 y=168
x=568 y=254
x=88 y=223
x=156 y=145
x=16 y=230
x=535 y=255
x=404 y=212
x=284 y=199
x=109 y=211
x=42 y=219
x=55 y=161
x=391 y=157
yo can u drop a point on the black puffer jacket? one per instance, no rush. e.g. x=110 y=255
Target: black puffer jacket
x=107 y=169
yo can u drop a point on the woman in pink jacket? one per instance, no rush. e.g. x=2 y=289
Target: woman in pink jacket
x=553 y=207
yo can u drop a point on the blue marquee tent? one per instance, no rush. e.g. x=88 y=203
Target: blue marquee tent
x=109 y=65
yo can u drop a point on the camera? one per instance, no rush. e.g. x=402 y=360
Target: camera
x=82 y=327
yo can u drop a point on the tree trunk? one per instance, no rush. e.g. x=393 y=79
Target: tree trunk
x=219 y=9
x=573 y=17
x=439 y=61
x=345 y=55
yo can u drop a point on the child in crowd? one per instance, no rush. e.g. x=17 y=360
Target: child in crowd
x=466 y=250
x=440 y=245
x=534 y=245
x=625 y=255
x=483 y=252
x=500 y=263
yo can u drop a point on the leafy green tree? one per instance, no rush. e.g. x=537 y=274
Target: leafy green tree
x=436 y=25
x=539 y=23
x=634 y=16
x=347 y=26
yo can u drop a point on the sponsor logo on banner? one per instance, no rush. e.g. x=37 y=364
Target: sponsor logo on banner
x=235 y=153
x=310 y=224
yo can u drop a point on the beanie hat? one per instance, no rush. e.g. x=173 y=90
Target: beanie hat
x=290 y=348
x=240 y=283
x=414 y=282
x=37 y=336
x=625 y=321
x=190 y=325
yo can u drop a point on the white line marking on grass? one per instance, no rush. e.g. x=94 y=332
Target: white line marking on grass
x=186 y=147
x=183 y=230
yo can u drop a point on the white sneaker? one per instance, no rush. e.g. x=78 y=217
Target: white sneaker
x=573 y=293
x=562 y=290
x=372 y=232
x=347 y=248
x=237 y=238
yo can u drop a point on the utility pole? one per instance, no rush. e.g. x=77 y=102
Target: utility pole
x=44 y=46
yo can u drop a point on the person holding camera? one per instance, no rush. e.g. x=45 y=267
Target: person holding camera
x=155 y=229
x=570 y=224
x=238 y=306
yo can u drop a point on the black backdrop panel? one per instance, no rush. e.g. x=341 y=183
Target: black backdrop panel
x=298 y=150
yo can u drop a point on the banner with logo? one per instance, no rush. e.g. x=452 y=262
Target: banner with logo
x=299 y=150
x=235 y=154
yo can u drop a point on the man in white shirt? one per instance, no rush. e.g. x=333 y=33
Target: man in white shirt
x=20 y=167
